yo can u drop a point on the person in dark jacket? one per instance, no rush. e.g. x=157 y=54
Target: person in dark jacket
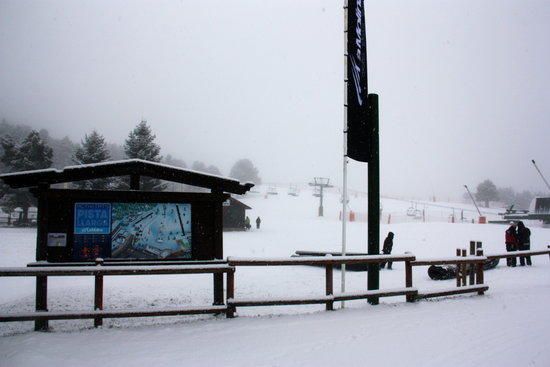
x=258 y=222
x=524 y=242
x=386 y=249
x=511 y=241
x=247 y=225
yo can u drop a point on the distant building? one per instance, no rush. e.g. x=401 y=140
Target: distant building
x=234 y=213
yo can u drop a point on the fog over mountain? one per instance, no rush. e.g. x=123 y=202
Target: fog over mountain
x=462 y=84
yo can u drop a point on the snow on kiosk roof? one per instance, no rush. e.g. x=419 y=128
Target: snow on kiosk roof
x=130 y=167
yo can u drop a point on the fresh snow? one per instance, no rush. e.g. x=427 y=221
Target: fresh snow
x=508 y=326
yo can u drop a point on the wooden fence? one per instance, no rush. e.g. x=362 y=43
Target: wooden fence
x=329 y=297
x=469 y=267
x=42 y=315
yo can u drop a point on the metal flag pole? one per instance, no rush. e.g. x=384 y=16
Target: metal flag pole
x=345 y=157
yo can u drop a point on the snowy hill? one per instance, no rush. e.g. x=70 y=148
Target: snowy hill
x=466 y=331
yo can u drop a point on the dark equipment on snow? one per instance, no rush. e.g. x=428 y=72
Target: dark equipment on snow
x=437 y=272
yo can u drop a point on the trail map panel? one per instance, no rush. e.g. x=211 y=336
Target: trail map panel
x=132 y=231
x=151 y=231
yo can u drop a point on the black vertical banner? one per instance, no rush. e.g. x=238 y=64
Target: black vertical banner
x=358 y=132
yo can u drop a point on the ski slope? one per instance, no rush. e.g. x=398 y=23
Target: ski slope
x=507 y=327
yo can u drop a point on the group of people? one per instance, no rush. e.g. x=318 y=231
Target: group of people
x=247 y=225
x=518 y=238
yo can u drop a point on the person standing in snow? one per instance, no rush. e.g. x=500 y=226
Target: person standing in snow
x=524 y=242
x=258 y=222
x=247 y=225
x=511 y=241
x=386 y=249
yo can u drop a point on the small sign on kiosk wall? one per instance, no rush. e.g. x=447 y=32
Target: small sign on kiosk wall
x=57 y=240
x=92 y=231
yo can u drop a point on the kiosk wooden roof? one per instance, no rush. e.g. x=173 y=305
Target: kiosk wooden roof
x=134 y=168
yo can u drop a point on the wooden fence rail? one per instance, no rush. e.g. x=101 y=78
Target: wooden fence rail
x=330 y=297
x=518 y=254
x=42 y=315
x=471 y=266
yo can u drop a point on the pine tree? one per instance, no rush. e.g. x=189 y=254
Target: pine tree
x=243 y=170
x=31 y=154
x=487 y=191
x=93 y=149
x=141 y=145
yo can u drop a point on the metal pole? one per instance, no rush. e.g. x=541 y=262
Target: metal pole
x=540 y=173
x=471 y=196
x=321 y=202
x=373 y=181
x=345 y=160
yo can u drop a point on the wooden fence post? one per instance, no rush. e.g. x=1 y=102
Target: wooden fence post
x=480 y=279
x=464 y=267
x=408 y=279
x=458 y=269
x=98 y=294
x=329 y=286
x=471 y=267
x=218 y=288
x=41 y=301
x=230 y=293
x=479 y=246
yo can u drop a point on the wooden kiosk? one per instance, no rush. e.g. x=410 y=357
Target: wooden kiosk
x=130 y=227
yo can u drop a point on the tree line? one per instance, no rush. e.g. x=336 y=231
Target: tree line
x=487 y=191
x=25 y=149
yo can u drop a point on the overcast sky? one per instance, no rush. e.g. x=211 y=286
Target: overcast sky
x=463 y=85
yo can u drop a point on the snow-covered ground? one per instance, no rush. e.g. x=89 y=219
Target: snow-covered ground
x=508 y=326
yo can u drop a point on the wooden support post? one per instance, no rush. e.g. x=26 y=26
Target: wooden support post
x=479 y=246
x=218 y=245
x=464 y=267
x=135 y=182
x=230 y=293
x=471 y=267
x=329 y=286
x=41 y=301
x=218 y=288
x=98 y=294
x=458 y=269
x=480 y=279
x=408 y=280
x=98 y=299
